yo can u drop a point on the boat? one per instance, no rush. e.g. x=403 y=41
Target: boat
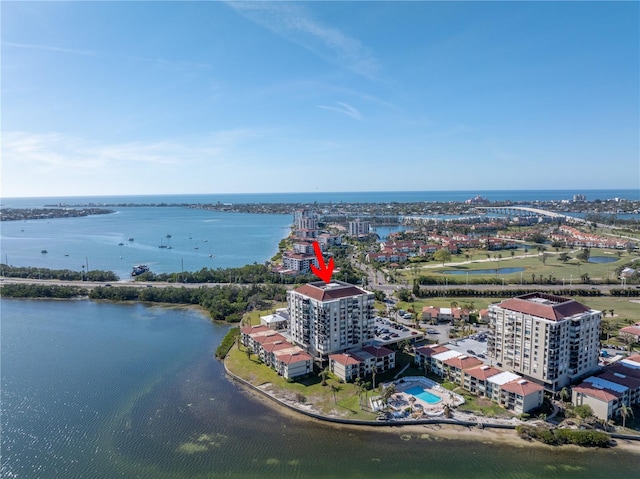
x=130 y=239
x=43 y=251
x=120 y=244
x=168 y=236
x=139 y=269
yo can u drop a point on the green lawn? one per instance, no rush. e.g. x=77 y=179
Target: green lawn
x=345 y=403
x=532 y=264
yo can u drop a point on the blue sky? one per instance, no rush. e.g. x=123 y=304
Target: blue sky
x=225 y=97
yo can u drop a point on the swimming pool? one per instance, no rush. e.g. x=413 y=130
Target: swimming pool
x=423 y=395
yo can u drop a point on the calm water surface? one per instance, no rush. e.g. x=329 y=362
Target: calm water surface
x=199 y=239
x=99 y=390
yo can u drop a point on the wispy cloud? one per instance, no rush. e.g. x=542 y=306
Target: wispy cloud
x=49 y=48
x=295 y=24
x=160 y=62
x=344 y=109
x=53 y=151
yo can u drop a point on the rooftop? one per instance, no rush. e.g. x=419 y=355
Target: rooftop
x=545 y=306
x=322 y=291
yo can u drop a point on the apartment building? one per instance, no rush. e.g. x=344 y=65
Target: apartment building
x=359 y=228
x=305 y=219
x=327 y=318
x=300 y=263
x=548 y=339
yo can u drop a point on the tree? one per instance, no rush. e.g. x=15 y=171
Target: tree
x=374 y=371
x=584 y=255
x=628 y=339
x=606 y=328
x=625 y=412
x=387 y=392
x=335 y=389
x=443 y=255
x=565 y=395
x=324 y=373
x=563 y=257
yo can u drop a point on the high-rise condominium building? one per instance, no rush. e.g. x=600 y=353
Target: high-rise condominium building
x=550 y=339
x=359 y=227
x=330 y=318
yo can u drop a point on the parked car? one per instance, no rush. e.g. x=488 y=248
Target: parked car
x=471 y=351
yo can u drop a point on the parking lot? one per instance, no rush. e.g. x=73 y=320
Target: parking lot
x=389 y=332
x=473 y=347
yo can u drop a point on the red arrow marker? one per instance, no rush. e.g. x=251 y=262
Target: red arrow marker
x=324 y=272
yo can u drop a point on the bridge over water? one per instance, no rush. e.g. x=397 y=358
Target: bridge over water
x=527 y=211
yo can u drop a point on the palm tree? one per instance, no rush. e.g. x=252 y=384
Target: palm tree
x=335 y=389
x=607 y=328
x=412 y=399
x=625 y=412
x=374 y=371
x=324 y=374
x=565 y=395
x=249 y=352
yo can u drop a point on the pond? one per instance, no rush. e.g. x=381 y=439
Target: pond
x=602 y=259
x=484 y=271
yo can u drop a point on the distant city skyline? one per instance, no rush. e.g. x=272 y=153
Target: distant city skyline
x=120 y=98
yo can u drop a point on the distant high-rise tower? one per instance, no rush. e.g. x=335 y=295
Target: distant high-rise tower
x=359 y=227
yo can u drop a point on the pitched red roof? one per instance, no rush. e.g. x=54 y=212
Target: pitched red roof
x=620 y=368
x=482 y=372
x=522 y=387
x=463 y=362
x=345 y=359
x=545 y=306
x=323 y=292
x=429 y=351
x=254 y=329
x=621 y=378
x=634 y=330
x=268 y=338
x=602 y=394
x=293 y=358
x=275 y=346
x=378 y=351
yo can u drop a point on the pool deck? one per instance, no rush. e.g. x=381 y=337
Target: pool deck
x=402 y=399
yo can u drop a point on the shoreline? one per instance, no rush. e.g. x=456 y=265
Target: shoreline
x=438 y=429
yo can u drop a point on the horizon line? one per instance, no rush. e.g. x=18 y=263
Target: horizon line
x=476 y=191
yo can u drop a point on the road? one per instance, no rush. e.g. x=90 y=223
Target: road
x=95 y=284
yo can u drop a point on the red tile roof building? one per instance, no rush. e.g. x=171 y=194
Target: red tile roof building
x=549 y=339
x=330 y=318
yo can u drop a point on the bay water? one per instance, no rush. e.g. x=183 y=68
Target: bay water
x=103 y=390
x=167 y=239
